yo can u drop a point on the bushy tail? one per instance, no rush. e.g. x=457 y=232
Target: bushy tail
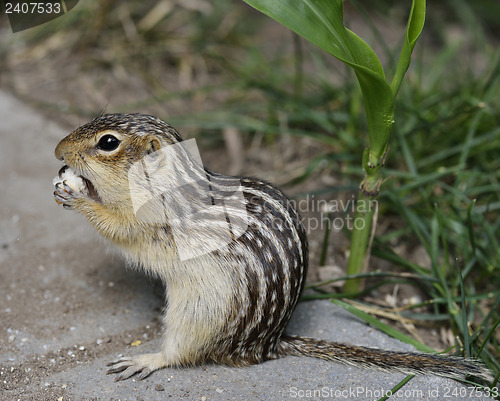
x=406 y=362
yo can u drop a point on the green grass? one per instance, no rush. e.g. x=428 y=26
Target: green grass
x=442 y=181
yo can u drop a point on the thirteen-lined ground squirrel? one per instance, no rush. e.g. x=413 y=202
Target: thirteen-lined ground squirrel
x=231 y=251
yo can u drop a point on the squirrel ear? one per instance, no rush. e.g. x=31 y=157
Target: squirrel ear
x=153 y=145
x=153 y=152
x=152 y=148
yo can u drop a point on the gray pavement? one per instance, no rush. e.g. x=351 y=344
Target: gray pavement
x=69 y=305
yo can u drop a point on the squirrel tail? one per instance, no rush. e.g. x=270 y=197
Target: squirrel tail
x=373 y=358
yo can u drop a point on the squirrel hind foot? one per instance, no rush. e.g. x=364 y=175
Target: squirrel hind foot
x=140 y=366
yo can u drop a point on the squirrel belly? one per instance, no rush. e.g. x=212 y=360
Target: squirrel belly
x=232 y=251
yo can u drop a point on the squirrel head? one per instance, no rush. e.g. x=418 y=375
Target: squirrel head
x=103 y=151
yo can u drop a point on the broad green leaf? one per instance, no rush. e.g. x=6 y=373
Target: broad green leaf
x=413 y=30
x=321 y=22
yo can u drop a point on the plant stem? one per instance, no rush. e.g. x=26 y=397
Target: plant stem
x=364 y=223
x=362 y=227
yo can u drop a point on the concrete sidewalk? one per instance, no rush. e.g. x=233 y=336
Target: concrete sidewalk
x=69 y=306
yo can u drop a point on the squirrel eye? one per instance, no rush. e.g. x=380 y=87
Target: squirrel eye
x=108 y=143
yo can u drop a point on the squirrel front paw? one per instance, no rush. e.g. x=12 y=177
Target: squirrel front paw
x=69 y=187
x=142 y=366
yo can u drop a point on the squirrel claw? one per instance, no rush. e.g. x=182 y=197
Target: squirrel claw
x=67 y=188
x=127 y=368
x=141 y=366
x=65 y=195
x=62 y=196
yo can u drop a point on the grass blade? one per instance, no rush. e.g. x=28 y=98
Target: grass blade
x=383 y=327
x=464 y=322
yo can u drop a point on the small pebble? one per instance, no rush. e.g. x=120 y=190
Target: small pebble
x=159 y=387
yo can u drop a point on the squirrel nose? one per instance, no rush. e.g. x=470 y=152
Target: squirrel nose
x=60 y=149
